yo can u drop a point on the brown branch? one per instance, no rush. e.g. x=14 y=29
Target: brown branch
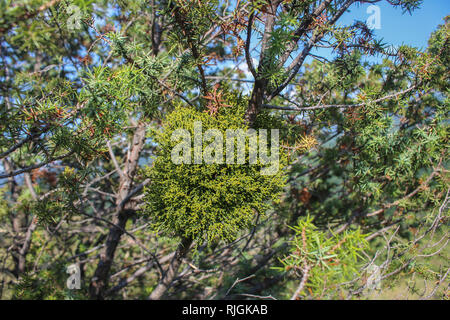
x=387 y=206
x=100 y=280
x=172 y=270
x=248 y=57
x=35 y=166
x=141 y=271
x=301 y=30
x=302 y=284
x=323 y=106
x=294 y=67
x=261 y=83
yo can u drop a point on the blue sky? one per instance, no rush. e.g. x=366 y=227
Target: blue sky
x=398 y=28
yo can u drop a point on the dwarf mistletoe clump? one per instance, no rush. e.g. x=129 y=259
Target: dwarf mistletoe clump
x=207 y=201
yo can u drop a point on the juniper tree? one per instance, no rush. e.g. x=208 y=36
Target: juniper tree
x=91 y=92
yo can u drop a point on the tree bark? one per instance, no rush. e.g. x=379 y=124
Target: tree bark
x=260 y=87
x=172 y=270
x=255 y=101
x=99 y=282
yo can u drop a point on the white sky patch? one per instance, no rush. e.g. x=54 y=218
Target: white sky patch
x=243 y=67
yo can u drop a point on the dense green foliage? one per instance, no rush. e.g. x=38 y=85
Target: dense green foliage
x=207 y=201
x=325 y=261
